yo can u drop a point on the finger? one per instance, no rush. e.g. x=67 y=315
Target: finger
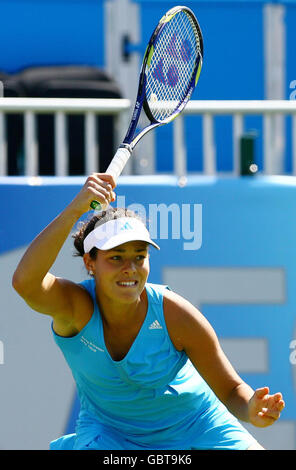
x=103 y=187
x=112 y=181
x=261 y=392
x=98 y=197
x=272 y=414
x=107 y=178
x=274 y=409
x=265 y=420
x=98 y=193
x=97 y=186
x=275 y=401
x=97 y=178
x=277 y=406
x=278 y=396
x=281 y=405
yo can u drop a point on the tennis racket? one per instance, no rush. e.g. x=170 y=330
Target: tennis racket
x=169 y=73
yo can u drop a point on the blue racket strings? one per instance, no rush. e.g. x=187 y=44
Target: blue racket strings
x=173 y=62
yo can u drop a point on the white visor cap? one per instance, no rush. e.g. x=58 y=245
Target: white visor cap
x=116 y=232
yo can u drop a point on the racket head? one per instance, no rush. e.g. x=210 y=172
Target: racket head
x=171 y=65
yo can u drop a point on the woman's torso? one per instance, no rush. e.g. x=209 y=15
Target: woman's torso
x=153 y=388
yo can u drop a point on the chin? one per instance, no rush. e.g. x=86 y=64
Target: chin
x=129 y=295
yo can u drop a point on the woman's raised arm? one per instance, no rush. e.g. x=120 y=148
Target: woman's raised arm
x=32 y=280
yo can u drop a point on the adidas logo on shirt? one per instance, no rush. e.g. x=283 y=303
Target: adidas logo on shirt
x=155 y=326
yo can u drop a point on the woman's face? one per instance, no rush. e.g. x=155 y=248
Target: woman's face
x=121 y=273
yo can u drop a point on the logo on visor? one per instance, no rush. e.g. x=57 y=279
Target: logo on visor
x=126 y=226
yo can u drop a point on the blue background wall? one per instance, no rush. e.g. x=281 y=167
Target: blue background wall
x=50 y=32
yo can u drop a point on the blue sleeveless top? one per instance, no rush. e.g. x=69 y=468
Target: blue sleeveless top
x=153 y=393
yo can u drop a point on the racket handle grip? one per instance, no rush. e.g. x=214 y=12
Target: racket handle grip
x=115 y=168
x=118 y=162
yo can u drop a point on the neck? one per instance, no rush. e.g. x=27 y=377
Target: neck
x=120 y=314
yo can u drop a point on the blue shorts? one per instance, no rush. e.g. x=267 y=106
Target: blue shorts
x=219 y=430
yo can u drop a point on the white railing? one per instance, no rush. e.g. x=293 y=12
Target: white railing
x=273 y=136
x=60 y=108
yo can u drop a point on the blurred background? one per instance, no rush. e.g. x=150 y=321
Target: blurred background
x=69 y=72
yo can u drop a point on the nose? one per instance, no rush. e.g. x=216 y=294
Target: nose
x=129 y=267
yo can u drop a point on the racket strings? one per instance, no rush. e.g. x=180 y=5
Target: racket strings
x=174 y=60
x=172 y=65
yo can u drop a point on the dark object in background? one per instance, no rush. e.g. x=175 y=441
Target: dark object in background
x=248 y=167
x=69 y=82
x=14 y=126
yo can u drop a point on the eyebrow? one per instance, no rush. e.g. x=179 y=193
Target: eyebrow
x=122 y=250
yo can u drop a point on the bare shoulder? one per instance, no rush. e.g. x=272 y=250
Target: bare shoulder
x=183 y=319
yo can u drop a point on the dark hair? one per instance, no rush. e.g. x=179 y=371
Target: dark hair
x=86 y=227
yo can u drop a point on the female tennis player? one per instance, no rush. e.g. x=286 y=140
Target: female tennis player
x=149 y=369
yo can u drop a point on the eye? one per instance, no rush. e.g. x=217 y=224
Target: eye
x=141 y=257
x=115 y=258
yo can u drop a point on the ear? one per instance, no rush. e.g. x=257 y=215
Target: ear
x=88 y=263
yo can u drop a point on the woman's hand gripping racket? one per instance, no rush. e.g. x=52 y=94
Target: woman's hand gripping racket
x=169 y=74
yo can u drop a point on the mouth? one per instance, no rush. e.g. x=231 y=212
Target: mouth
x=127 y=284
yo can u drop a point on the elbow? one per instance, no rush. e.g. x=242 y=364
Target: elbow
x=18 y=283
